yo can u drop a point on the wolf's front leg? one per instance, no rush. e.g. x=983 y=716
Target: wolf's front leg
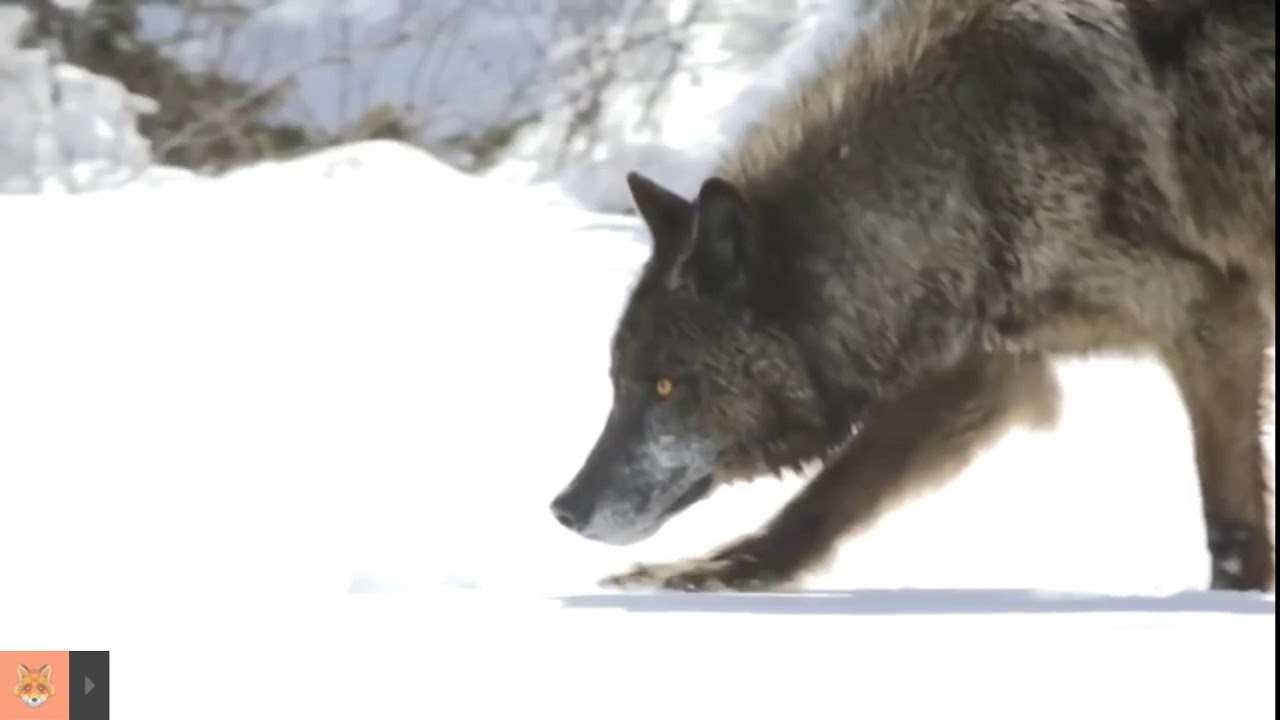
x=923 y=437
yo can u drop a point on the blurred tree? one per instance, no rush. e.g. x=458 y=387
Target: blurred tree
x=205 y=121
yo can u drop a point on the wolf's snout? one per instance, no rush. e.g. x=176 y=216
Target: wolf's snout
x=570 y=512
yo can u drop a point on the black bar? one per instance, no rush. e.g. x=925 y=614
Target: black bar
x=89 y=687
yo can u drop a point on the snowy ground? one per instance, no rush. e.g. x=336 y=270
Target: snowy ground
x=284 y=442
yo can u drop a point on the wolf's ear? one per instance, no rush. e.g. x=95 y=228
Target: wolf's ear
x=46 y=672
x=724 y=257
x=667 y=214
x=23 y=672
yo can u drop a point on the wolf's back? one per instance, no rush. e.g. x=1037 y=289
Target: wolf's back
x=1217 y=61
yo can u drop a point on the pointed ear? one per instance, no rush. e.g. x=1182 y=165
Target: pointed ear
x=46 y=672
x=667 y=214
x=23 y=672
x=725 y=256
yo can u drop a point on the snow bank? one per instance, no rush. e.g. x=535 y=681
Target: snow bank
x=342 y=326
x=63 y=128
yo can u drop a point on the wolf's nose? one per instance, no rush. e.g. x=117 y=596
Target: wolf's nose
x=565 y=514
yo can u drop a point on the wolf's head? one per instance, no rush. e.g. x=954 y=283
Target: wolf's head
x=707 y=384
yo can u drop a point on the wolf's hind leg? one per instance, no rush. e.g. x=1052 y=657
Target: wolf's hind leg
x=1219 y=363
x=922 y=438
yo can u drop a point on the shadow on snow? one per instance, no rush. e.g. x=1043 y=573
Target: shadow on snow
x=923 y=602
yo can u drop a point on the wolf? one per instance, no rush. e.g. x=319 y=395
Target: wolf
x=879 y=274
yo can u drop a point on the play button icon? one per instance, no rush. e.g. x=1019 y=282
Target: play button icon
x=92 y=671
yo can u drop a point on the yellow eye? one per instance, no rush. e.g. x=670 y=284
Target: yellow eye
x=664 y=388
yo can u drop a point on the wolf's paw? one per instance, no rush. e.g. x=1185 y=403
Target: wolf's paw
x=722 y=572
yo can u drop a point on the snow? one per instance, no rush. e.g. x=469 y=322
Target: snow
x=284 y=442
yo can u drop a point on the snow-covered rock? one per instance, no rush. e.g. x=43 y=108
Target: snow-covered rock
x=63 y=128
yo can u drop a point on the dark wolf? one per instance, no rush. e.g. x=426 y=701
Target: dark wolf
x=879 y=274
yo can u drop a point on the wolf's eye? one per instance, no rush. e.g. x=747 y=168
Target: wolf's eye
x=664 y=387
x=40 y=688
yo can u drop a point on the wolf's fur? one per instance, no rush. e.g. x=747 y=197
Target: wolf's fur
x=898 y=248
